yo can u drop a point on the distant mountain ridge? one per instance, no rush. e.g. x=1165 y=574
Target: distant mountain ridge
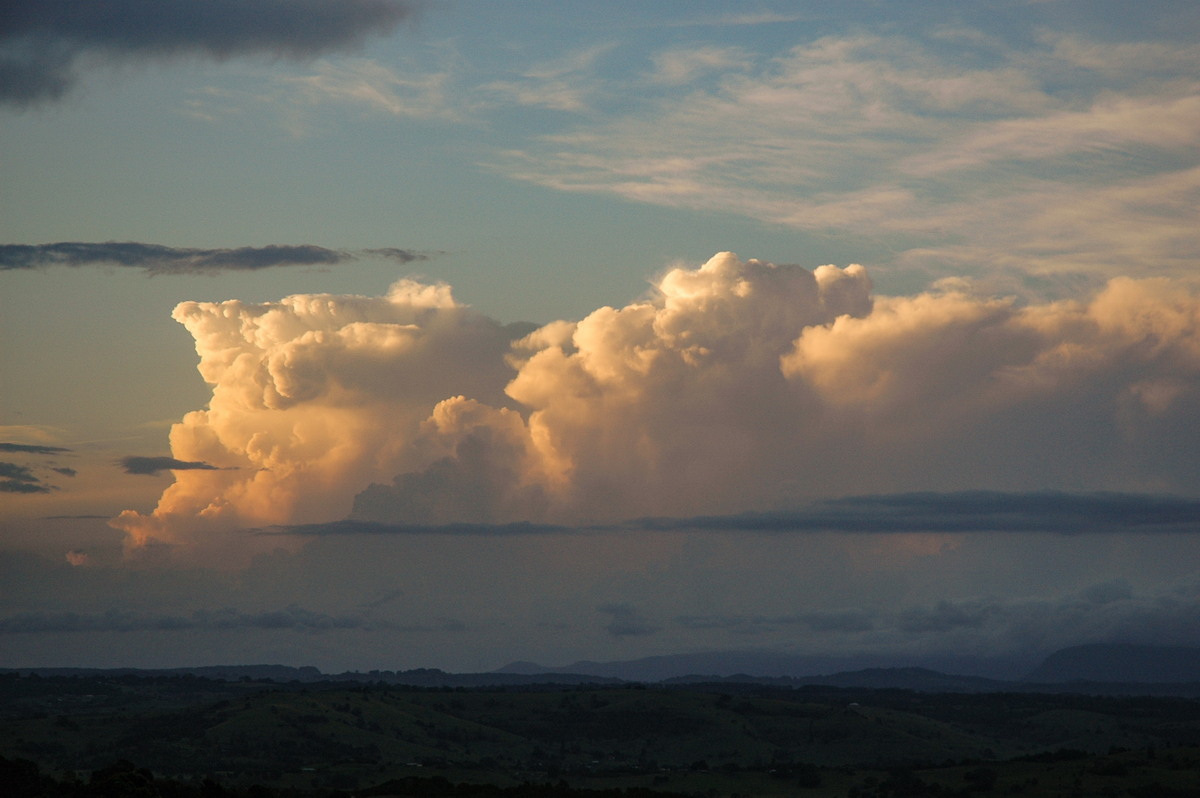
x=1103 y=668
x=418 y=677
x=764 y=664
x=1119 y=662
x=1115 y=668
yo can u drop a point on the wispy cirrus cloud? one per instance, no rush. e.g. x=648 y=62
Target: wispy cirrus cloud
x=156 y=259
x=682 y=66
x=41 y=41
x=413 y=93
x=565 y=84
x=1044 y=158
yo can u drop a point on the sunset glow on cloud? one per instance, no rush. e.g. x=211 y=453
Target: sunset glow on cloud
x=733 y=385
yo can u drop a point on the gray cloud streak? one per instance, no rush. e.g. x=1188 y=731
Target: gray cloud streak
x=967 y=511
x=41 y=40
x=627 y=621
x=28 y=448
x=158 y=259
x=1108 y=612
x=960 y=512
x=151 y=466
x=352 y=527
x=292 y=618
x=19 y=479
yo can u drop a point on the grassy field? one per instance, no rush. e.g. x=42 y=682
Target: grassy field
x=699 y=740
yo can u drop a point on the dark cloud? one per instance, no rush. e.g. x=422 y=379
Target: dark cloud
x=399 y=255
x=963 y=512
x=150 y=466
x=386 y=598
x=158 y=259
x=968 y=511
x=1108 y=592
x=19 y=479
x=76 y=517
x=830 y=621
x=28 y=448
x=41 y=40
x=945 y=616
x=66 y=472
x=291 y=618
x=839 y=621
x=1022 y=629
x=626 y=621
x=352 y=527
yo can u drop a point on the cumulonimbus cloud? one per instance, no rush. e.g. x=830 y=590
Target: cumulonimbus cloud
x=158 y=259
x=733 y=386
x=41 y=40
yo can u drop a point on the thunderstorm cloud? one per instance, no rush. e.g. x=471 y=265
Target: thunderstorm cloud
x=733 y=386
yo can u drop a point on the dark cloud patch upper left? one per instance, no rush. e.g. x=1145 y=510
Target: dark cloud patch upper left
x=41 y=40
x=159 y=259
x=19 y=479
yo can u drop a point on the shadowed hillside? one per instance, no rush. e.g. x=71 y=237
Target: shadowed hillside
x=732 y=737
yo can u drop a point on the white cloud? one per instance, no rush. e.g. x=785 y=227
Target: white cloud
x=732 y=386
x=1044 y=155
x=565 y=84
x=677 y=67
x=370 y=84
x=314 y=397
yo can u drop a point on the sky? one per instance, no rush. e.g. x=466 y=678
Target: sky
x=375 y=334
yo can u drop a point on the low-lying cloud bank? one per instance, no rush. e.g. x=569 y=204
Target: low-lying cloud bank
x=157 y=259
x=983 y=630
x=955 y=513
x=41 y=40
x=291 y=618
x=735 y=386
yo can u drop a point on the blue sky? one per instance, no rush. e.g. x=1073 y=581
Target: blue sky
x=1018 y=180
